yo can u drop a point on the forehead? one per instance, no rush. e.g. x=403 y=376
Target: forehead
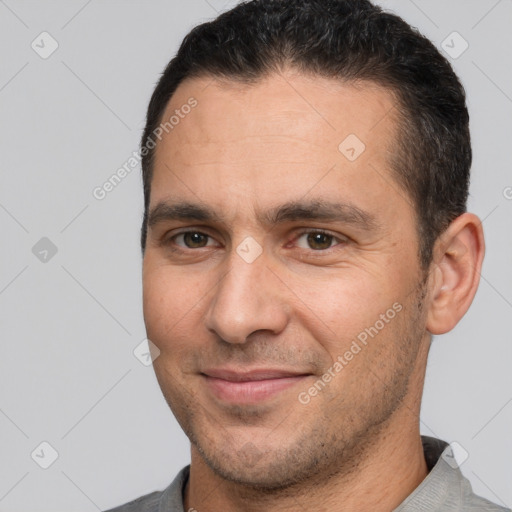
x=289 y=103
x=279 y=135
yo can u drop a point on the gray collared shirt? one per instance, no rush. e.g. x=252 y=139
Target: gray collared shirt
x=444 y=489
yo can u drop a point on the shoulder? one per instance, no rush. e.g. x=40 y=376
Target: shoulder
x=474 y=503
x=445 y=488
x=170 y=499
x=147 y=503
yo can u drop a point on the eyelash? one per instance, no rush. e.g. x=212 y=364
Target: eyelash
x=335 y=238
x=340 y=239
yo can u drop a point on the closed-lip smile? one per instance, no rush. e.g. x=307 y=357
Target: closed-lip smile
x=252 y=386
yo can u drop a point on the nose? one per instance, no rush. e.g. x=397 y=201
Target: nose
x=248 y=298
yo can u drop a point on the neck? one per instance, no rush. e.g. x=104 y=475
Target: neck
x=392 y=467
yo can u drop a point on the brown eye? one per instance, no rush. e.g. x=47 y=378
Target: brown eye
x=192 y=239
x=319 y=241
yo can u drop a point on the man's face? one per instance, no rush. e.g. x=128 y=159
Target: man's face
x=274 y=253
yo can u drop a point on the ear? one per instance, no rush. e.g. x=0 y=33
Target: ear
x=455 y=272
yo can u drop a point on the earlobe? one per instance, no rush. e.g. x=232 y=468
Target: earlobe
x=455 y=272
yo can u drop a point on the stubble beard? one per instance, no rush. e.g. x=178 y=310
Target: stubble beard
x=312 y=451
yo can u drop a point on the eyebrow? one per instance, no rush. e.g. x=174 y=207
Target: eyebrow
x=322 y=211
x=313 y=210
x=184 y=211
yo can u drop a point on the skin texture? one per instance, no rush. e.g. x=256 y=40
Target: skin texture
x=245 y=151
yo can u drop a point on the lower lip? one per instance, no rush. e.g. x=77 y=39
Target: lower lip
x=250 y=391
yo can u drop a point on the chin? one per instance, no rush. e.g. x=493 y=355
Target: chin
x=263 y=477
x=271 y=468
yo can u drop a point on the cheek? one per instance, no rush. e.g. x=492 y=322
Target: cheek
x=172 y=302
x=335 y=309
x=363 y=329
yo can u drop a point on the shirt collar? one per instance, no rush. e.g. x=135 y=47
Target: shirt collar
x=441 y=486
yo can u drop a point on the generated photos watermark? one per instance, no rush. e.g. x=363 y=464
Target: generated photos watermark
x=355 y=348
x=100 y=192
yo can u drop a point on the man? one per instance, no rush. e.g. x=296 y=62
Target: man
x=306 y=170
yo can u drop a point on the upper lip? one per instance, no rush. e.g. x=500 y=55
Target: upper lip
x=251 y=375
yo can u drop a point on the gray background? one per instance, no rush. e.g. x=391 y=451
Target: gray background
x=69 y=324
